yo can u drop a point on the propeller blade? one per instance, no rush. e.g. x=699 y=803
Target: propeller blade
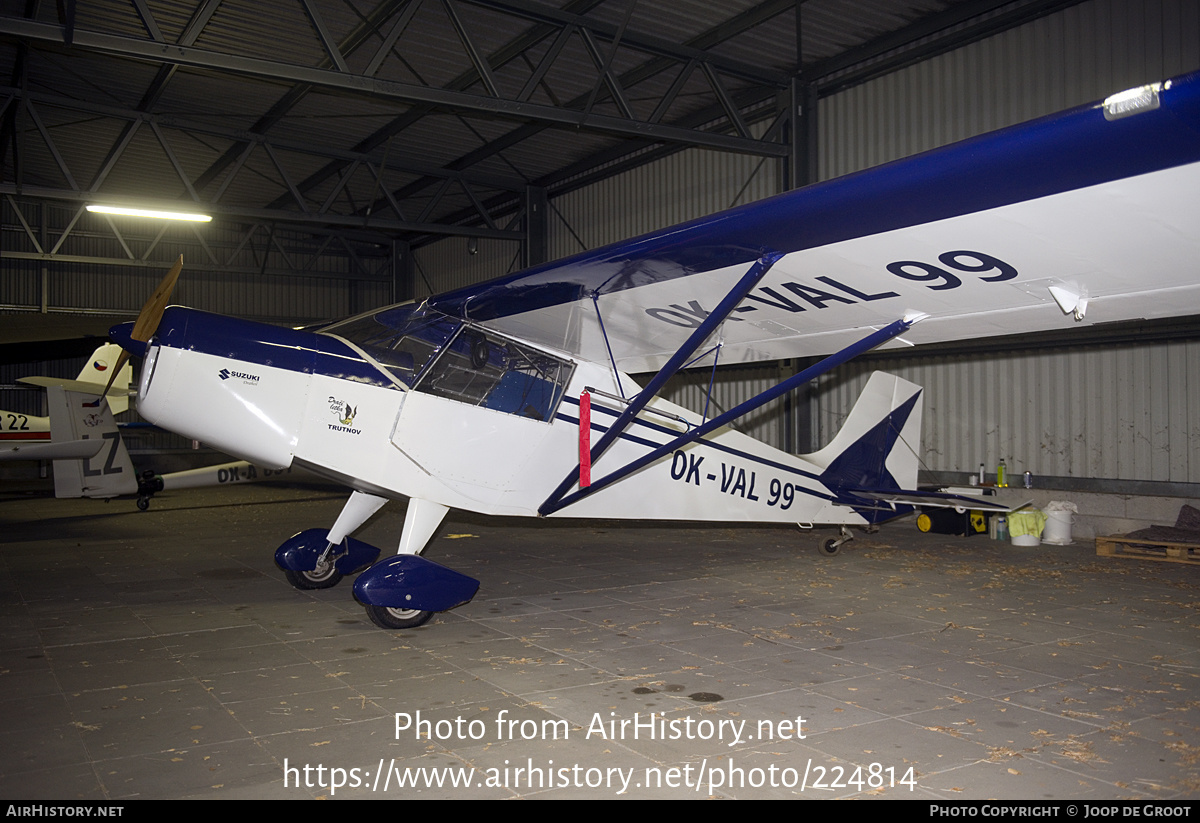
x=152 y=311
x=150 y=316
x=124 y=355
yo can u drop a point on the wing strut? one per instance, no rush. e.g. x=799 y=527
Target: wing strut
x=705 y=330
x=559 y=499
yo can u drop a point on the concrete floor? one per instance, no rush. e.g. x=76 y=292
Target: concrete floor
x=162 y=655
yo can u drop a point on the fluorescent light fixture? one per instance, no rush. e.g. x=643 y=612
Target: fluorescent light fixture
x=157 y=213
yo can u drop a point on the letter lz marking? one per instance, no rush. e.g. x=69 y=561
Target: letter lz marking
x=113 y=438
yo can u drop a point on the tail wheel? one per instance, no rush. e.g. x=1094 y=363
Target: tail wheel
x=386 y=618
x=831 y=547
x=322 y=577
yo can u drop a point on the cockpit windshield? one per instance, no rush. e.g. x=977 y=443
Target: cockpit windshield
x=402 y=339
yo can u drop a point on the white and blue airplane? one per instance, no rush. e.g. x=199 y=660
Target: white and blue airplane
x=513 y=397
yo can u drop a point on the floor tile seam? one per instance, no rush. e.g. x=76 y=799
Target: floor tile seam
x=1091 y=655
x=1041 y=758
x=1092 y=727
x=153 y=635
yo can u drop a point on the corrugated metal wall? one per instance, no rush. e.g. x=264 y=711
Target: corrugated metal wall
x=681 y=187
x=1127 y=412
x=1078 y=55
x=1130 y=412
x=272 y=274
x=448 y=264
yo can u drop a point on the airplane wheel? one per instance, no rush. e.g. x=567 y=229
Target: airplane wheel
x=324 y=578
x=386 y=618
x=143 y=503
x=830 y=547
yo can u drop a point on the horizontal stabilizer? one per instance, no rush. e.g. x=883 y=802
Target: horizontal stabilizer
x=944 y=500
x=81 y=386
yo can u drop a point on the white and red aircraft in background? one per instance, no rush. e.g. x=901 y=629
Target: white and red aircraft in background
x=19 y=432
x=513 y=397
x=85 y=443
x=79 y=434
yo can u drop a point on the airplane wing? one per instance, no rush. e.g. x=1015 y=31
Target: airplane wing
x=1087 y=216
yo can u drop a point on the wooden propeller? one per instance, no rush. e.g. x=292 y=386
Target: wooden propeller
x=150 y=316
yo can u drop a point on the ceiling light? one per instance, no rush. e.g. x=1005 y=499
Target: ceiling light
x=161 y=215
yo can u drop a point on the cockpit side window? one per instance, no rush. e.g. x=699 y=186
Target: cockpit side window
x=484 y=369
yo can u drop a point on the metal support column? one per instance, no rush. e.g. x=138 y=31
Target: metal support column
x=537 y=227
x=403 y=287
x=802 y=158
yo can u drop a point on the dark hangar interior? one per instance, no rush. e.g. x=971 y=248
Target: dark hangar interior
x=359 y=153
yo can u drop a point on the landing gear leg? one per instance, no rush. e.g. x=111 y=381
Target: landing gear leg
x=420 y=522
x=148 y=484
x=831 y=547
x=358 y=510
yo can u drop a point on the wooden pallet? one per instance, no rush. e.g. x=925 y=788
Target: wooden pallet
x=1121 y=545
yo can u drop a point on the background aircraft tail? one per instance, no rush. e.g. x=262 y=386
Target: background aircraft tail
x=76 y=416
x=877 y=448
x=98 y=370
x=93 y=377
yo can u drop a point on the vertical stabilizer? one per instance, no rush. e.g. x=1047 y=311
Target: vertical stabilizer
x=877 y=447
x=76 y=416
x=98 y=370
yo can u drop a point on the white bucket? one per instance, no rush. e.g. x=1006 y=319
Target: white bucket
x=1058 y=528
x=1026 y=540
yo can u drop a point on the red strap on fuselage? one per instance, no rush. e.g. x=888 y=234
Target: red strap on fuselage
x=585 y=440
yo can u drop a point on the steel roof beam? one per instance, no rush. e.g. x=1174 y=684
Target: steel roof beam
x=374 y=224
x=736 y=25
x=511 y=51
x=137 y=49
x=648 y=44
x=503 y=204
x=242 y=138
x=355 y=39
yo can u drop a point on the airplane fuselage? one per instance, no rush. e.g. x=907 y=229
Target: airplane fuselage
x=485 y=426
x=17 y=428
